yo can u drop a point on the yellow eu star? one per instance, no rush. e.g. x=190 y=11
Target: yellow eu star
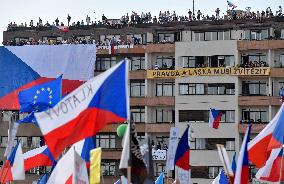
x=42 y=89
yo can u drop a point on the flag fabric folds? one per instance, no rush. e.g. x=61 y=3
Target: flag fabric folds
x=63 y=29
x=101 y=100
x=242 y=172
x=271 y=170
x=38 y=157
x=95 y=166
x=171 y=152
x=117 y=182
x=40 y=97
x=84 y=147
x=182 y=152
x=160 y=179
x=13 y=168
x=231 y=5
x=221 y=178
x=258 y=148
x=131 y=156
x=34 y=65
x=234 y=164
x=43 y=179
x=214 y=118
x=71 y=168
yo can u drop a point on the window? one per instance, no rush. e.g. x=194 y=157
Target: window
x=214 y=171
x=229 y=116
x=199 y=36
x=24 y=141
x=105 y=140
x=255 y=115
x=210 y=89
x=136 y=39
x=259 y=34
x=161 y=142
x=254 y=88
x=137 y=88
x=191 y=89
x=165 y=89
x=193 y=115
x=138 y=114
x=4 y=140
x=103 y=38
x=108 y=168
x=166 y=62
x=137 y=63
x=200 y=143
x=159 y=167
x=169 y=37
x=282 y=33
x=140 y=136
x=104 y=63
x=164 y=115
x=230 y=145
x=187 y=62
x=36 y=142
x=221 y=89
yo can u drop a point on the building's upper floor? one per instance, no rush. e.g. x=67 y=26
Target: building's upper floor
x=147 y=33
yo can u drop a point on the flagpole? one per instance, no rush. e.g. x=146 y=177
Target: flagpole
x=225 y=166
x=281 y=167
x=130 y=141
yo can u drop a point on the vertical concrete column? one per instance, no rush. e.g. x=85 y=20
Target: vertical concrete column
x=238 y=113
x=237 y=54
x=270 y=84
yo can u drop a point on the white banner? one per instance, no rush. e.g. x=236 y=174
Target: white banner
x=159 y=154
x=173 y=141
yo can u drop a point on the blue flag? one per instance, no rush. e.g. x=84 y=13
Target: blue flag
x=234 y=164
x=160 y=179
x=43 y=179
x=41 y=97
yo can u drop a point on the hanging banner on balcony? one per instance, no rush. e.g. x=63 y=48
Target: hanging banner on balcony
x=187 y=72
x=159 y=154
x=173 y=141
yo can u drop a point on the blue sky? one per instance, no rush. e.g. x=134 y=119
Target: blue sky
x=21 y=11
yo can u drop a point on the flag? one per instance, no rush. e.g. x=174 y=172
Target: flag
x=38 y=157
x=234 y=164
x=131 y=156
x=64 y=29
x=146 y=151
x=101 y=100
x=40 y=97
x=95 y=166
x=160 y=179
x=271 y=170
x=223 y=155
x=43 y=179
x=123 y=180
x=242 y=172
x=214 y=118
x=258 y=147
x=173 y=141
x=13 y=168
x=71 y=168
x=34 y=65
x=84 y=147
x=117 y=182
x=231 y=5
x=182 y=152
x=281 y=94
x=221 y=178
x=277 y=139
x=111 y=49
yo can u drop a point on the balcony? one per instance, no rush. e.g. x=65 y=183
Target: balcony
x=277 y=72
x=160 y=48
x=260 y=45
x=26 y=129
x=256 y=127
x=137 y=74
x=122 y=49
x=204 y=157
x=259 y=101
x=143 y=127
x=153 y=101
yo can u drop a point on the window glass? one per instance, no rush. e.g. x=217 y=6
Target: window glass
x=214 y=35
x=207 y=36
x=220 y=35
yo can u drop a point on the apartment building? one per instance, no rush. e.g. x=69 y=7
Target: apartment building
x=178 y=71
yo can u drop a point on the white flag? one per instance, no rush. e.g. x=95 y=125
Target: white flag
x=173 y=141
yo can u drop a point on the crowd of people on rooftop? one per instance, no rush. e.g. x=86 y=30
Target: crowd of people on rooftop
x=163 y=17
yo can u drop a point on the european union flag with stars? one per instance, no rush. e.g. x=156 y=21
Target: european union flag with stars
x=41 y=97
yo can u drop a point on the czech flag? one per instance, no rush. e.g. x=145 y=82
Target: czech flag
x=182 y=152
x=260 y=147
x=84 y=147
x=271 y=170
x=34 y=65
x=63 y=29
x=13 y=168
x=214 y=118
x=242 y=172
x=38 y=157
x=101 y=100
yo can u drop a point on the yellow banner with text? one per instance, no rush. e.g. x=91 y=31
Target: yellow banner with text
x=187 y=72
